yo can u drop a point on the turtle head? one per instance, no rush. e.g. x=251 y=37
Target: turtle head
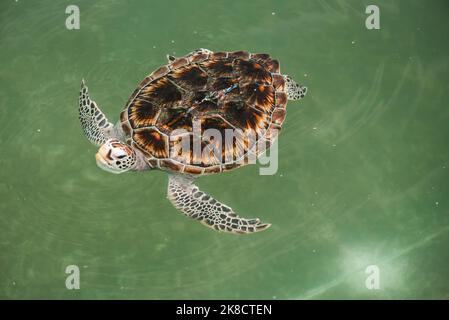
x=115 y=156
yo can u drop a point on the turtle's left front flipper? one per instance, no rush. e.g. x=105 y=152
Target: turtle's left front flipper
x=95 y=125
x=194 y=203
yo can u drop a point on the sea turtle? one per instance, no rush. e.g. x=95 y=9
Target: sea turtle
x=222 y=91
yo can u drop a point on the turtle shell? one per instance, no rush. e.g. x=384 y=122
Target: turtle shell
x=205 y=90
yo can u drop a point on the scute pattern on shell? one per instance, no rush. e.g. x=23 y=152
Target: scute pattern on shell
x=222 y=90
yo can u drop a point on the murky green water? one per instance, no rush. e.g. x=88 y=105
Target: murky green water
x=363 y=173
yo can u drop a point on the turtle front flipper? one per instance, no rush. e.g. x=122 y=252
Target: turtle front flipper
x=194 y=203
x=294 y=91
x=95 y=125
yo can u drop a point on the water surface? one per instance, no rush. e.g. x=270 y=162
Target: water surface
x=363 y=173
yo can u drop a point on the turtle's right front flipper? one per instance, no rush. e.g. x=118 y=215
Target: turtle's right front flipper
x=95 y=125
x=194 y=203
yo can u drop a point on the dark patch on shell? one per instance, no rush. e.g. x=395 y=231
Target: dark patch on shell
x=251 y=71
x=218 y=68
x=190 y=77
x=245 y=118
x=174 y=119
x=259 y=95
x=142 y=114
x=162 y=93
x=152 y=142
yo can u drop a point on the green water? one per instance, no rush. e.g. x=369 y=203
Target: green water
x=363 y=174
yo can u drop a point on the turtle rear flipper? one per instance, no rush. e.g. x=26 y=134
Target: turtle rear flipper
x=95 y=125
x=294 y=90
x=194 y=203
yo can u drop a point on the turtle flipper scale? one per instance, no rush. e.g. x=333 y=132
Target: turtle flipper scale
x=96 y=126
x=194 y=203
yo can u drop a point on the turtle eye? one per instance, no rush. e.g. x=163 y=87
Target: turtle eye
x=121 y=156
